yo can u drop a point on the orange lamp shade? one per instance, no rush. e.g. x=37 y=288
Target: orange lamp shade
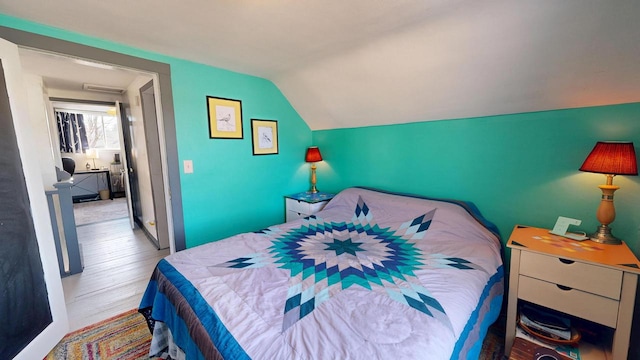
x=612 y=157
x=313 y=154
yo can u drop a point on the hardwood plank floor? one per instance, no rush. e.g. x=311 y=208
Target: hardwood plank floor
x=118 y=262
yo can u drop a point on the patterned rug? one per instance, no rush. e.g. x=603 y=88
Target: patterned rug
x=90 y=212
x=126 y=337
x=122 y=337
x=493 y=345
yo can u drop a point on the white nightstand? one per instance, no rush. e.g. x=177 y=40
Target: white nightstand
x=305 y=203
x=588 y=280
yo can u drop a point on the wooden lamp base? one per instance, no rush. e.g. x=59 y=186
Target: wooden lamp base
x=606 y=215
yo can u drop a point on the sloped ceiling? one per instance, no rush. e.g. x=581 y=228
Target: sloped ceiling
x=361 y=62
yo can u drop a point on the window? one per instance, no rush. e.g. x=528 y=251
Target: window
x=102 y=131
x=81 y=130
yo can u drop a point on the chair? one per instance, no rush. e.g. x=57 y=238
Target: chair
x=68 y=165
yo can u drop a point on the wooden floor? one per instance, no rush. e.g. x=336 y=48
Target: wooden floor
x=118 y=263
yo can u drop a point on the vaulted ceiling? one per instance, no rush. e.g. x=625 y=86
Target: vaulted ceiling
x=361 y=62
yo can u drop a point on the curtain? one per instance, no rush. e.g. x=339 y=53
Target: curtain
x=72 y=132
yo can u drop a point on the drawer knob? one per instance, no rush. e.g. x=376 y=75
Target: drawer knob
x=563 y=288
x=565 y=261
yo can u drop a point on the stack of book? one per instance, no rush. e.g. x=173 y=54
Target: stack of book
x=546 y=324
x=548 y=330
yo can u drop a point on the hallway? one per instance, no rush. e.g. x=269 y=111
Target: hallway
x=118 y=263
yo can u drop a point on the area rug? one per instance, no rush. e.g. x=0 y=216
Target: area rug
x=493 y=345
x=126 y=337
x=90 y=212
x=122 y=337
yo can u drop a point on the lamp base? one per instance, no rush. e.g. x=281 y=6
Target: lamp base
x=603 y=236
x=313 y=179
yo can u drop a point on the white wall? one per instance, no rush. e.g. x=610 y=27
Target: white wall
x=53 y=129
x=40 y=129
x=84 y=95
x=139 y=153
x=103 y=162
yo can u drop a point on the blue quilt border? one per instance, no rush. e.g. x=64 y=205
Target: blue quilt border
x=489 y=318
x=225 y=343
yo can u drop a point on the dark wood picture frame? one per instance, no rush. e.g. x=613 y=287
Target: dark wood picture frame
x=264 y=135
x=225 y=118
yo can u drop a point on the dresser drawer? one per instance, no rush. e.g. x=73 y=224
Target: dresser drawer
x=590 y=278
x=582 y=304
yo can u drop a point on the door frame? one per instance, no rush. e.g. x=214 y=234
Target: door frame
x=154 y=148
x=171 y=168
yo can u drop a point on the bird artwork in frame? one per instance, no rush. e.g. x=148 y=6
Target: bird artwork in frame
x=264 y=134
x=225 y=118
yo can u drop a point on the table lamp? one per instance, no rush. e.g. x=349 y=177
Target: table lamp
x=313 y=156
x=610 y=158
x=93 y=155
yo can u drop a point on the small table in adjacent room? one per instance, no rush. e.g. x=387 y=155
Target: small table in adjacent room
x=304 y=204
x=87 y=184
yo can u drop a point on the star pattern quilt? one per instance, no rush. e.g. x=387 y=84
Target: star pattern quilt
x=373 y=275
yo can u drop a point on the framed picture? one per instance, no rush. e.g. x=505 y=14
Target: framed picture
x=225 y=118
x=264 y=134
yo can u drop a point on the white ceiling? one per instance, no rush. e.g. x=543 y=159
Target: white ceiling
x=65 y=73
x=361 y=62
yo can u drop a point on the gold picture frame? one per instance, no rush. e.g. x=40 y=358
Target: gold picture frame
x=225 y=118
x=264 y=135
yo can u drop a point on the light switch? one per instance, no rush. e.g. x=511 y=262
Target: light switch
x=188 y=166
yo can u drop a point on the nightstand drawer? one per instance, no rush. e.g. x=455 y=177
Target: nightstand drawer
x=577 y=275
x=303 y=207
x=582 y=304
x=293 y=215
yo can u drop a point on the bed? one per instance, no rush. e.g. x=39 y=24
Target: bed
x=374 y=275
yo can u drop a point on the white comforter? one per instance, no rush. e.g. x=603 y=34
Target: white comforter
x=372 y=276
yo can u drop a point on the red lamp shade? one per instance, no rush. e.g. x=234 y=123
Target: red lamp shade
x=313 y=154
x=613 y=158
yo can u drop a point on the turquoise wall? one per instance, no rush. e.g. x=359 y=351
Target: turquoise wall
x=231 y=190
x=518 y=169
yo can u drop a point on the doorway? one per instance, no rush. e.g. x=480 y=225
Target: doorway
x=90 y=146
x=168 y=148
x=162 y=74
